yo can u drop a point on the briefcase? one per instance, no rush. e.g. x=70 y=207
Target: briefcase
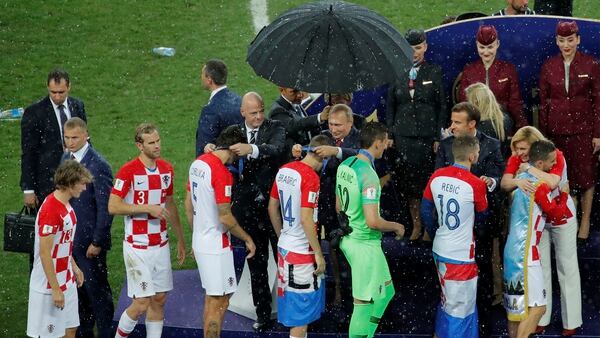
x=19 y=230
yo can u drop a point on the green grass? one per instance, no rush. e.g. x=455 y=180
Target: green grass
x=106 y=48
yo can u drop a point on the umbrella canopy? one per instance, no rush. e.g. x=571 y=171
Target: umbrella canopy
x=330 y=47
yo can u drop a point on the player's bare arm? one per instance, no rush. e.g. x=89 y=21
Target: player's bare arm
x=116 y=206
x=275 y=215
x=374 y=220
x=228 y=220
x=79 y=277
x=46 y=245
x=173 y=218
x=310 y=229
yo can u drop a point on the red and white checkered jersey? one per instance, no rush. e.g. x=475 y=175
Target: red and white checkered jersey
x=296 y=186
x=210 y=184
x=559 y=169
x=457 y=195
x=136 y=184
x=57 y=219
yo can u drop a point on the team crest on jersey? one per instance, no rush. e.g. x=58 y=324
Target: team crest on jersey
x=230 y=281
x=50 y=328
x=166 y=180
x=144 y=285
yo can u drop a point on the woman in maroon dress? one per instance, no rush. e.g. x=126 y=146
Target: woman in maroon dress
x=500 y=76
x=570 y=114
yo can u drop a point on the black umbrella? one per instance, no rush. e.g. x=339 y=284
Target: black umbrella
x=330 y=47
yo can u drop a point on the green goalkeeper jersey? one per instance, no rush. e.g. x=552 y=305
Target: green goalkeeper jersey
x=357 y=184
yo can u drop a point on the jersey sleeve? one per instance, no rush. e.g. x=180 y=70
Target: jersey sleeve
x=370 y=189
x=122 y=182
x=49 y=222
x=427 y=194
x=274 y=191
x=555 y=209
x=310 y=191
x=222 y=183
x=559 y=167
x=512 y=165
x=169 y=189
x=480 y=198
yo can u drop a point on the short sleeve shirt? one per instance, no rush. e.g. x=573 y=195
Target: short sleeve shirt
x=210 y=185
x=54 y=219
x=357 y=184
x=296 y=186
x=139 y=185
x=457 y=195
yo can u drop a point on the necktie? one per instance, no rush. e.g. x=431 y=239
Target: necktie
x=72 y=156
x=299 y=110
x=338 y=142
x=63 y=116
x=252 y=136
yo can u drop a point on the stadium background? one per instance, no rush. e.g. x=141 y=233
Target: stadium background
x=106 y=47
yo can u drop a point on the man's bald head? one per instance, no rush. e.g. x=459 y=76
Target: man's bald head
x=253 y=109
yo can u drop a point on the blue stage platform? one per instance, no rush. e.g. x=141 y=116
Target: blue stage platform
x=410 y=314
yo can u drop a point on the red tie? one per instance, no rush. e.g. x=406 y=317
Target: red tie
x=338 y=142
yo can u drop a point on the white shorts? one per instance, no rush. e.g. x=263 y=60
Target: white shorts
x=536 y=286
x=217 y=273
x=148 y=270
x=46 y=320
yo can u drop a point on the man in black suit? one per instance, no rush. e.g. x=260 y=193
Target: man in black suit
x=489 y=168
x=299 y=127
x=223 y=108
x=92 y=238
x=259 y=162
x=42 y=137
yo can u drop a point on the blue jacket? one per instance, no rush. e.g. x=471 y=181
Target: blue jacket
x=221 y=111
x=91 y=208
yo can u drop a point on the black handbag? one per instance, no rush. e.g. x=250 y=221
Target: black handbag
x=19 y=230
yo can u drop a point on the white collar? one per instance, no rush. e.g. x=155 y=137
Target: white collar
x=214 y=92
x=81 y=152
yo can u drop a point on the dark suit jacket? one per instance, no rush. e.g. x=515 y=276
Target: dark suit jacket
x=350 y=146
x=251 y=192
x=296 y=126
x=422 y=115
x=91 y=208
x=42 y=144
x=221 y=111
x=490 y=163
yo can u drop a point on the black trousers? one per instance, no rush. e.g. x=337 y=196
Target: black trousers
x=255 y=221
x=485 y=284
x=95 y=296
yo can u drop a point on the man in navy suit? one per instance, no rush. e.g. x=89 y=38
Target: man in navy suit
x=223 y=108
x=299 y=127
x=489 y=167
x=42 y=137
x=92 y=238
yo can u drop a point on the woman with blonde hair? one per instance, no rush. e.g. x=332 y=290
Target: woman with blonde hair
x=563 y=236
x=494 y=122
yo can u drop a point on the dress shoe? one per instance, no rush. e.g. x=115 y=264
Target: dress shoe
x=569 y=332
x=539 y=329
x=263 y=326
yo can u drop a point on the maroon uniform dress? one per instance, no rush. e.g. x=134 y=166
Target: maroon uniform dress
x=503 y=80
x=572 y=118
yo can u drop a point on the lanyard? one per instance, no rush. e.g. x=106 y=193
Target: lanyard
x=368 y=155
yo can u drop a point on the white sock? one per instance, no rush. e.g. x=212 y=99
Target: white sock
x=126 y=325
x=154 y=328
